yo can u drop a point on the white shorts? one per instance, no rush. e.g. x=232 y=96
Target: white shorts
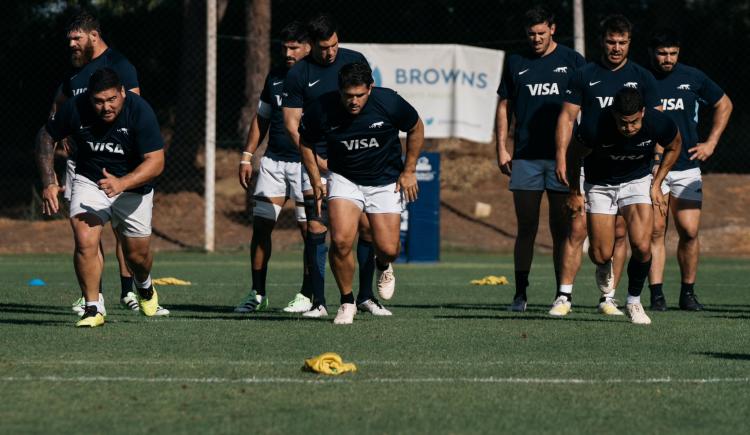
x=130 y=212
x=371 y=199
x=535 y=175
x=687 y=184
x=70 y=174
x=279 y=179
x=601 y=199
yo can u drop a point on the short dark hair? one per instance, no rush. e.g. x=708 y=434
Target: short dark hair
x=538 y=15
x=294 y=31
x=85 y=22
x=355 y=74
x=616 y=24
x=321 y=27
x=628 y=101
x=664 y=38
x=103 y=79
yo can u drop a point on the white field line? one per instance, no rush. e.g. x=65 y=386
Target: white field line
x=318 y=380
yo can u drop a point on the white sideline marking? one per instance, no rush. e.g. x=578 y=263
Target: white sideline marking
x=271 y=380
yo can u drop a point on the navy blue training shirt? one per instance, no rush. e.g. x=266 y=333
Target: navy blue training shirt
x=593 y=88
x=119 y=146
x=78 y=81
x=280 y=146
x=682 y=91
x=364 y=148
x=535 y=86
x=618 y=159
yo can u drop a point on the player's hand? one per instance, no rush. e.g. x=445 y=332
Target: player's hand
x=702 y=151
x=111 y=185
x=505 y=162
x=561 y=171
x=407 y=185
x=319 y=190
x=50 y=204
x=658 y=200
x=574 y=204
x=246 y=172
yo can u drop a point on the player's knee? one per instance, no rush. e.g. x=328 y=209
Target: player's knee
x=599 y=254
x=528 y=228
x=365 y=233
x=266 y=210
x=341 y=246
x=388 y=254
x=641 y=250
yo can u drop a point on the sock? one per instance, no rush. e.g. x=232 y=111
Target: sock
x=366 y=261
x=656 y=290
x=316 y=251
x=606 y=296
x=145 y=289
x=306 y=290
x=259 y=280
x=637 y=274
x=347 y=299
x=381 y=266
x=686 y=288
x=565 y=290
x=126 y=285
x=96 y=304
x=522 y=282
x=633 y=299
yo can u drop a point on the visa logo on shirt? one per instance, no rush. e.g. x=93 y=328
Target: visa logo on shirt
x=356 y=144
x=672 y=104
x=106 y=146
x=605 y=101
x=543 y=89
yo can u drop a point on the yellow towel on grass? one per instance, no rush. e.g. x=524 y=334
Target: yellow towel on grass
x=490 y=280
x=328 y=363
x=169 y=281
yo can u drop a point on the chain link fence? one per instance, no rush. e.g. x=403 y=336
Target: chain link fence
x=165 y=40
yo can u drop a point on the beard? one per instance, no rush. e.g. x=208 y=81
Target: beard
x=83 y=56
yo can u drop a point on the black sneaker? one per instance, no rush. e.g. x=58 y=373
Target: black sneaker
x=658 y=303
x=689 y=302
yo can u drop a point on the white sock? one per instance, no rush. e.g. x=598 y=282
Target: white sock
x=143 y=285
x=98 y=304
x=634 y=299
x=566 y=288
x=609 y=295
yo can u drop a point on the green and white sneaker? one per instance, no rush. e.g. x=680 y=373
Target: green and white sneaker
x=79 y=306
x=130 y=302
x=300 y=304
x=161 y=311
x=252 y=303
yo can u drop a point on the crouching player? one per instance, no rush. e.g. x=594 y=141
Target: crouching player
x=360 y=125
x=120 y=152
x=618 y=178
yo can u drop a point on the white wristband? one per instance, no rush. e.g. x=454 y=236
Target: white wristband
x=245 y=162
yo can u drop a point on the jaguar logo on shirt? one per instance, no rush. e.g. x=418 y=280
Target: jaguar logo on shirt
x=377 y=124
x=645 y=143
x=633 y=85
x=561 y=69
x=358 y=144
x=114 y=148
x=684 y=87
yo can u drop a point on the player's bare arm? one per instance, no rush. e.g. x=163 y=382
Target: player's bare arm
x=575 y=153
x=671 y=154
x=151 y=167
x=722 y=111
x=502 y=136
x=309 y=159
x=45 y=159
x=258 y=130
x=563 y=133
x=407 y=181
x=292 y=117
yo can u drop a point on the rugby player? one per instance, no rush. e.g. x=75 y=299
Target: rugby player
x=620 y=148
x=682 y=89
x=279 y=177
x=359 y=126
x=531 y=90
x=310 y=78
x=590 y=91
x=120 y=153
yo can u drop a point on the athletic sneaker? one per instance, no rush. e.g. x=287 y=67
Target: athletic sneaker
x=689 y=302
x=658 y=303
x=605 y=277
x=149 y=307
x=103 y=312
x=518 y=305
x=386 y=282
x=161 y=311
x=253 y=302
x=130 y=302
x=91 y=318
x=345 y=315
x=561 y=307
x=608 y=307
x=79 y=306
x=300 y=304
x=373 y=306
x=637 y=314
x=317 y=312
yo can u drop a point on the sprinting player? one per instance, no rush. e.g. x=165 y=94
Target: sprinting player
x=590 y=91
x=120 y=154
x=359 y=126
x=310 y=78
x=618 y=180
x=89 y=52
x=682 y=89
x=279 y=178
x=531 y=89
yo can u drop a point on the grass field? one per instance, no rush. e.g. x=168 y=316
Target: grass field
x=450 y=360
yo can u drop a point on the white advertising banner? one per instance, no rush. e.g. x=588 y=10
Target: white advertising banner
x=453 y=87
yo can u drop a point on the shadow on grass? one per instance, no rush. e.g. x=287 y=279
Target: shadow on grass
x=254 y=317
x=201 y=308
x=724 y=355
x=747 y=317
x=524 y=317
x=35 y=322
x=34 y=309
x=496 y=307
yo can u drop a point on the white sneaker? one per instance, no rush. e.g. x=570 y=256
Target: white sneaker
x=79 y=306
x=300 y=304
x=561 y=307
x=130 y=302
x=605 y=277
x=103 y=311
x=386 y=282
x=518 y=305
x=637 y=314
x=161 y=311
x=316 y=313
x=374 y=307
x=608 y=307
x=345 y=315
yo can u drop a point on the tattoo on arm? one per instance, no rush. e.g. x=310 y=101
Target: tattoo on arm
x=45 y=157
